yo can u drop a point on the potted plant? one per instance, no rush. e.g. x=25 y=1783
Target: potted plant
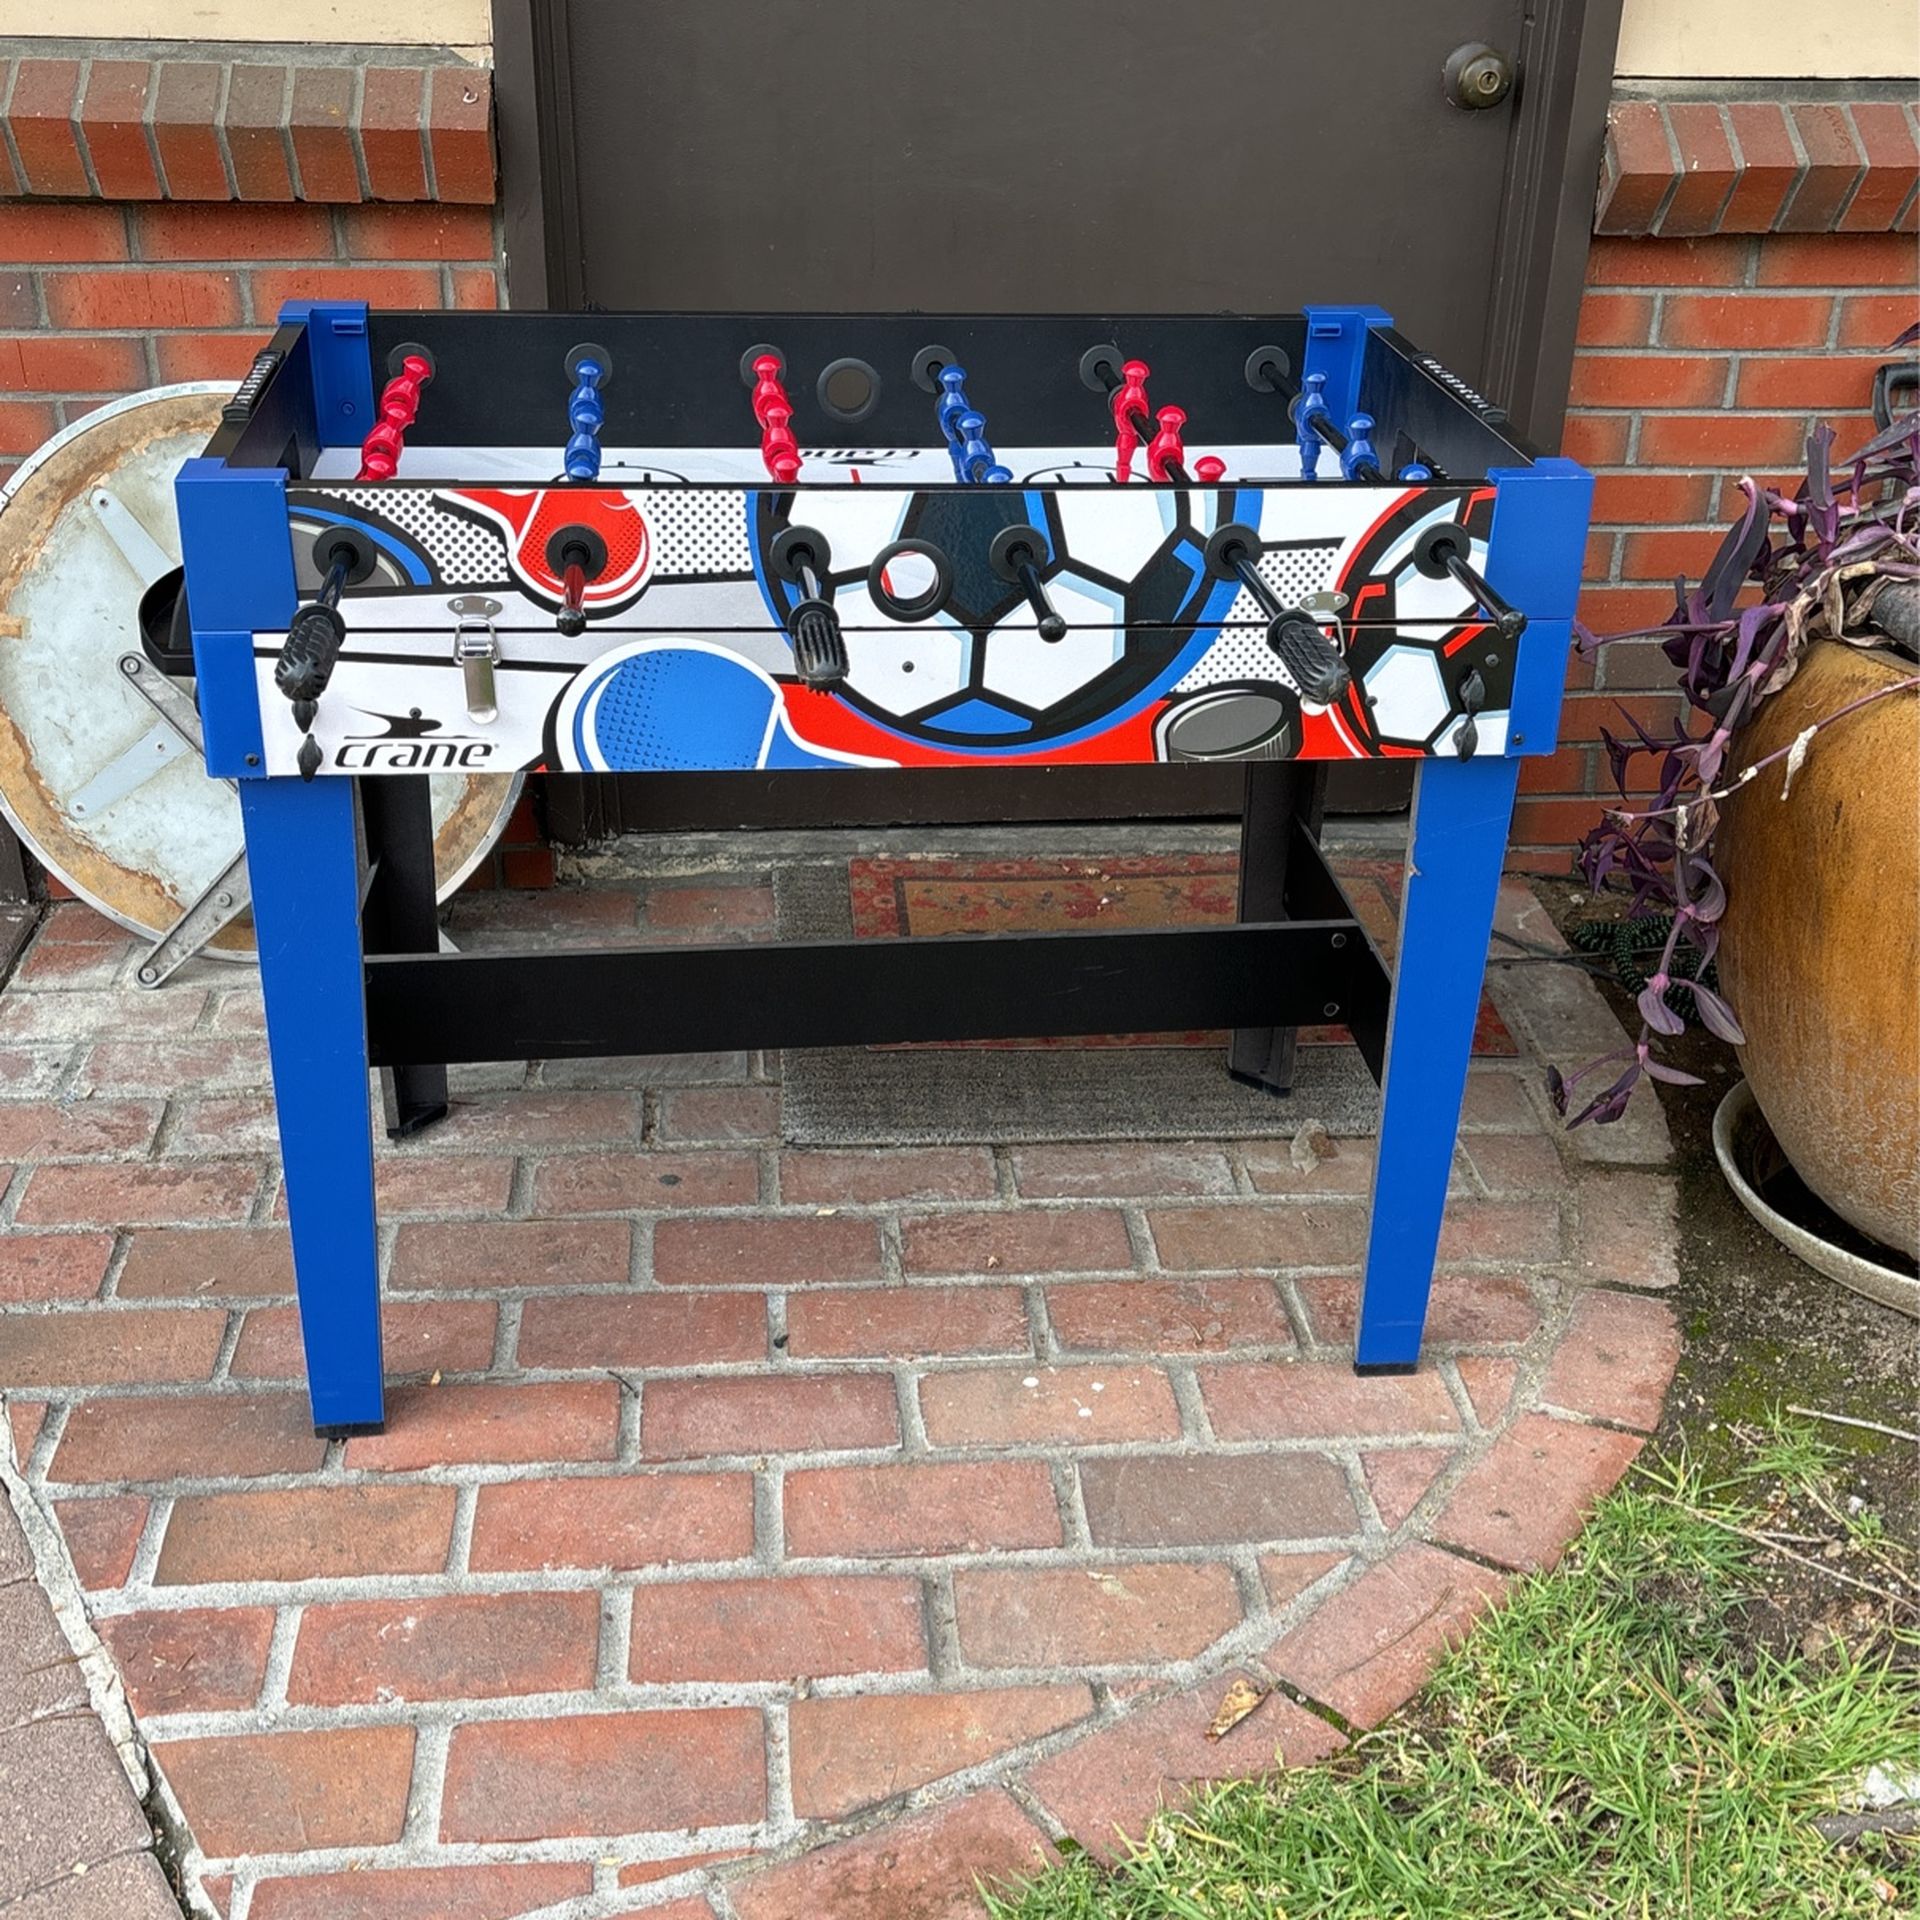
x=1778 y=857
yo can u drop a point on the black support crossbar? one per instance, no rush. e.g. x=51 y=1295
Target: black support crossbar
x=445 y=1008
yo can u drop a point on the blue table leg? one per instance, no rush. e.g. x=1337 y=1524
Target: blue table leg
x=303 y=856
x=1460 y=818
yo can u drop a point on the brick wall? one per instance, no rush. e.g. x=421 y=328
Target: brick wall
x=1751 y=267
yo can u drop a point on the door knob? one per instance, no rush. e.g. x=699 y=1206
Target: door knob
x=1478 y=75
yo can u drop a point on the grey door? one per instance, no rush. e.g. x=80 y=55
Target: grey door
x=1064 y=155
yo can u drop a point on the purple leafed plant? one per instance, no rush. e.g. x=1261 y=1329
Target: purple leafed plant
x=1820 y=561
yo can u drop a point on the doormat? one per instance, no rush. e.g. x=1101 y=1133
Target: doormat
x=1100 y=1087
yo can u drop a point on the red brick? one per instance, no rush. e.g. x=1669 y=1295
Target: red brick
x=320 y=126
x=24 y=427
x=1639 y=264
x=901 y=1511
x=1834 y=260
x=1654 y=499
x=254 y=123
x=102 y=1537
x=1745 y=320
x=925 y=1867
x=1524 y=1501
x=1627 y=1228
x=1118 y=1170
x=50 y=1129
x=1114 y=1781
x=19 y=307
x=460 y=129
x=1168 y=1316
x=198 y=1660
x=1595 y=440
x=40 y=116
x=498 y=1892
x=137 y=1194
x=1640 y=167
x=873 y=1179
x=420 y=1336
x=112 y=113
x=634 y=1520
x=1082 y=1240
x=604 y=1773
x=1314 y=1399
x=466 y=1646
x=1615 y=1359
x=391 y=136
x=1489 y=1382
x=206 y=1263
x=1875 y=321
x=1770 y=166
x=1344 y=1170
x=1834 y=165
x=773 y=1629
x=685 y=1419
x=52 y=1266
x=441 y=233
x=100 y=1347
x=528 y=1121
x=1197 y=1500
x=779 y=1251
x=273 y=287
x=1706 y=169
x=853 y=1322
x=49 y=236
x=1368 y=1648
x=1887 y=139
x=706 y=910
x=511 y=1253
x=1122 y=1614
x=436 y=1426
x=644 y=1182
x=191 y=1437
x=1742 y=442
x=1016 y=1405
x=1557 y=825
x=1616 y=320
x=39 y=364
x=470 y=1184
x=306 y=1533
x=142 y=298
x=1658 y=380
x=719 y=1113
x=177 y=231
x=1331 y=1232
x=185 y=111
x=854 y=1753
x=1659 y=556
x=1517 y=1163
x=1399 y=1478
x=290 y=1792
x=643 y=1330
x=1839 y=383
x=479 y=288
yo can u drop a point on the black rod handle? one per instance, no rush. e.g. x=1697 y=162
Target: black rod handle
x=1017 y=555
x=1441 y=553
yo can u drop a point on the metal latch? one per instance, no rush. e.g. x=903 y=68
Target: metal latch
x=476 y=650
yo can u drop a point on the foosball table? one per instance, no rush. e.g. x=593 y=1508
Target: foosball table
x=500 y=542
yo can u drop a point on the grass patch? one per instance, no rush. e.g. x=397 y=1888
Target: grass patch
x=1639 y=1734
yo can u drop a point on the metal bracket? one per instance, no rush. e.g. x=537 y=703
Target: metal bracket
x=476 y=651
x=229 y=894
x=137 y=547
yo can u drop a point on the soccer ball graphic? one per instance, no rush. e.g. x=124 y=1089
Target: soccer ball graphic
x=1124 y=567
x=1415 y=640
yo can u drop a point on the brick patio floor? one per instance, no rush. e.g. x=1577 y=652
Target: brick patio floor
x=760 y=1532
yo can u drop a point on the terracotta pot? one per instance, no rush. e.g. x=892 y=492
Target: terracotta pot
x=1820 y=949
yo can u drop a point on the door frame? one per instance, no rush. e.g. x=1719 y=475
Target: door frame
x=1565 y=61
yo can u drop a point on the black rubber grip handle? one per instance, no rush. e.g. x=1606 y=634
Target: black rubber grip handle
x=312 y=646
x=1318 y=668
